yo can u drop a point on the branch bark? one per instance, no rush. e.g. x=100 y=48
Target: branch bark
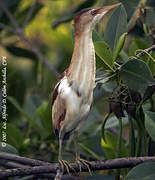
x=28 y=163
x=152 y=48
x=53 y=167
x=23 y=160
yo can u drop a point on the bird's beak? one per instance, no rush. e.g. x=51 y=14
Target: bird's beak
x=104 y=9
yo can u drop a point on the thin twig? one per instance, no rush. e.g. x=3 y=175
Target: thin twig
x=135 y=15
x=23 y=160
x=8 y=28
x=94 y=166
x=29 y=14
x=18 y=31
x=145 y=50
x=11 y=165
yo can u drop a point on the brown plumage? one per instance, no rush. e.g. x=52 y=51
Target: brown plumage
x=73 y=94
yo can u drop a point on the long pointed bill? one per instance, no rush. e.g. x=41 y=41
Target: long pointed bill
x=104 y=9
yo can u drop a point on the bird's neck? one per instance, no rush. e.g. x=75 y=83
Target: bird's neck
x=82 y=67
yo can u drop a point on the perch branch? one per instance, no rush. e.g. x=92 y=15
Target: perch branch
x=145 y=50
x=29 y=162
x=23 y=160
x=18 y=31
x=11 y=165
x=94 y=166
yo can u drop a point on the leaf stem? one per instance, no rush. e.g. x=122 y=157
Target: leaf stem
x=131 y=138
x=139 y=143
x=119 y=143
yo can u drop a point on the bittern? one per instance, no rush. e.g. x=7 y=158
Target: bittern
x=73 y=93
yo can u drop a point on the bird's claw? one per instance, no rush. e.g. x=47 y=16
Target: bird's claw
x=64 y=164
x=85 y=162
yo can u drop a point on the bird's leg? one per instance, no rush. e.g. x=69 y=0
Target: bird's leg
x=77 y=156
x=63 y=163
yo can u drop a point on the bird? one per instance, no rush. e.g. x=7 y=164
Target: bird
x=73 y=93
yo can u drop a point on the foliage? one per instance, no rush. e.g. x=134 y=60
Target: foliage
x=123 y=82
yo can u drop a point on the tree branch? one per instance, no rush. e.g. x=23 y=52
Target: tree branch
x=11 y=165
x=29 y=14
x=145 y=50
x=23 y=160
x=18 y=31
x=29 y=162
x=53 y=167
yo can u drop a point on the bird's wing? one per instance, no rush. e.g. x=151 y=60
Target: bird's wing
x=58 y=110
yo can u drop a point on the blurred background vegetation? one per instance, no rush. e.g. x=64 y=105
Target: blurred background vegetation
x=48 y=25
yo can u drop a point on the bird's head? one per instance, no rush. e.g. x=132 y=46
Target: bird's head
x=87 y=18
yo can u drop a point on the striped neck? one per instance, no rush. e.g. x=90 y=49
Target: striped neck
x=82 y=67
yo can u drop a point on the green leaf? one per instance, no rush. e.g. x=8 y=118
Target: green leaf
x=141 y=44
x=137 y=44
x=21 y=52
x=13 y=135
x=8 y=149
x=136 y=75
x=119 y=45
x=104 y=53
x=145 y=171
x=116 y=26
x=44 y=112
x=17 y=106
x=22 y=14
x=124 y=56
x=93 y=154
x=110 y=146
x=150 y=123
x=150 y=16
x=96 y=36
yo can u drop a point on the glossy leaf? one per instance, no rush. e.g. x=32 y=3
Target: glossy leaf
x=119 y=45
x=137 y=44
x=17 y=106
x=8 y=149
x=116 y=26
x=13 y=135
x=150 y=123
x=104 y=53
x=96 y=36
x=145 y=171
x=21 y=52
x=110 y=146
x=124 y=56
x=93 y=154
x=22 y=15
x=136 y=75
x=140 y=44
x=45 y=114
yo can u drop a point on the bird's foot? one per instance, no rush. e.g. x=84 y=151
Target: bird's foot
x=81 y=161
x=64 y=164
